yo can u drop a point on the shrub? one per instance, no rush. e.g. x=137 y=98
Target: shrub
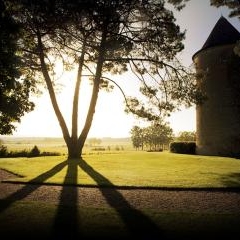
x=183 y=147
x=35 y=152
x=98 y=149
x=3 y=151
x=155 y=150
x=50 y=154
x=13 y=154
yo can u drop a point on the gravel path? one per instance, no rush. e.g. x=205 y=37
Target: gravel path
x=164 y=200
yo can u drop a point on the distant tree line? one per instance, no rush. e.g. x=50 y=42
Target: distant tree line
x=153 y=138
x=94 y=141
x=186 y=136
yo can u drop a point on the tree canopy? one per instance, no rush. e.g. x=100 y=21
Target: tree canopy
x=154 y=136
x=233 y=5
x=186 y=136
x=14 y=90
x=99 y=38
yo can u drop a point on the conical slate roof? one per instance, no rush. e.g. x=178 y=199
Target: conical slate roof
x=223 y=33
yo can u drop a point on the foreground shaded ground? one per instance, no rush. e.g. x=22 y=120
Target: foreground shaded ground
x=56 y=212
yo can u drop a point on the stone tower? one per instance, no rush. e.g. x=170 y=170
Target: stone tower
x=218 y=118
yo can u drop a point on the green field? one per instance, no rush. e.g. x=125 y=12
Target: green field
x=124 y=168
x=21 y=219
x=58 y=144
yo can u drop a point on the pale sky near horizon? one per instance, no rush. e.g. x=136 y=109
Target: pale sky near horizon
x=198 y=18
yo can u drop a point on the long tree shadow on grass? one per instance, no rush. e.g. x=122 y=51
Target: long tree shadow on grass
x=28 y=189
x=66 y=224
x=139 y=225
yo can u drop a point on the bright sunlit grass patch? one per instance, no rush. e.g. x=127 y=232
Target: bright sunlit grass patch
x=136 y=168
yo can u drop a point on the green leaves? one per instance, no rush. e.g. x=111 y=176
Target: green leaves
x=14 y=91
x=153 y=136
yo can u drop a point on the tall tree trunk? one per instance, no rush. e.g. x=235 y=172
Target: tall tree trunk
x=75 y=149
x=51 y=92
x=74 y=144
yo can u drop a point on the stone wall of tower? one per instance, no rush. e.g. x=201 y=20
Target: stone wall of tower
x=218 y=118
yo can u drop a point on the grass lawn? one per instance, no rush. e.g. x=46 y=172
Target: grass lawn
x=138 y=169
x=21 y=219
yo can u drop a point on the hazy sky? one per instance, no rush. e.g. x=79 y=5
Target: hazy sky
x=198 y=18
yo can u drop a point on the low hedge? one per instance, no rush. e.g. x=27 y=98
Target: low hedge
x=34 y=152
x=183 y=147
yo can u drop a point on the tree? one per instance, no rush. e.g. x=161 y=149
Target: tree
x=186 y=136
x=233 y=5
x=137 y=137
x=34 y=152
x=100 y=38
x=155 y=136
x=94 y=141
x=14 y=90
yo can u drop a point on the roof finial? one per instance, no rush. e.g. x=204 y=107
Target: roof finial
x=221 y=11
